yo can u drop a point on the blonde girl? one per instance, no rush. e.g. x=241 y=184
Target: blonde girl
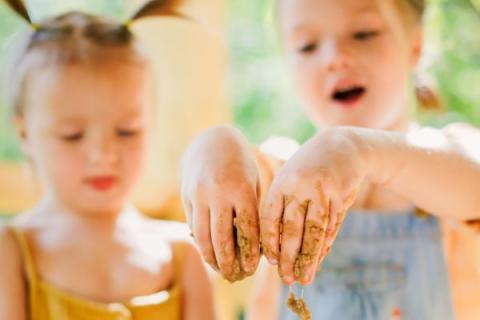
x=80 y=97
x=352 y=62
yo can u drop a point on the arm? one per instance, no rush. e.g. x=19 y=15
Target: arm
x=12 y=288
x=197 y=289
x=264 y=301
x=437 y=170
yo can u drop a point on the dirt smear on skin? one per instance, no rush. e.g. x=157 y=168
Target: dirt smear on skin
x=243 y=249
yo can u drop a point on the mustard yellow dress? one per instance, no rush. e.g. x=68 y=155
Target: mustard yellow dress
x=46 y=302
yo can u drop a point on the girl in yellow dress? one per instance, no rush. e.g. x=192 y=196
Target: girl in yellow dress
x=80 y=96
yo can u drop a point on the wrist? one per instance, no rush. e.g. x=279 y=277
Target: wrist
x=368 y=149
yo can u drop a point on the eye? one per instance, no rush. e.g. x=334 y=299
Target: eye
x=126 y=133
x=73 y=137
x=365 y=35
x=308 y=48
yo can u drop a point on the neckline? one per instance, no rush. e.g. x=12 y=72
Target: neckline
x=154 y=299
x=35 y=280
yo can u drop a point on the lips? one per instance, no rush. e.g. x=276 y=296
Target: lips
x=348 y=96
x=102 y=183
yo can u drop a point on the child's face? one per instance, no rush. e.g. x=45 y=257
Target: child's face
x=350 y=64
x=84 y=129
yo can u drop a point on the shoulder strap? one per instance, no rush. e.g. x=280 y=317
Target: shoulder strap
x=25 y=252
x=179 y=250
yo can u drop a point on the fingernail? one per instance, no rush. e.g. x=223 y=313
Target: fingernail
x=330 y=233
x=288 y=279
x=306 y=278
x=250 y=267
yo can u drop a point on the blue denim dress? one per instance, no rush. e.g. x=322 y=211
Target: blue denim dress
x=381 y=267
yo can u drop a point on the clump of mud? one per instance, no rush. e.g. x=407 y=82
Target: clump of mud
x=298 y=306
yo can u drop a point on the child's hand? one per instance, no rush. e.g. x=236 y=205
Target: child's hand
x=219 y=189
x=307 y=201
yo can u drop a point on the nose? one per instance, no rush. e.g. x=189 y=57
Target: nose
x=333 y=56
x=102 y=148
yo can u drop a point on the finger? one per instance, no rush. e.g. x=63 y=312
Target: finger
x=270 y=219
x=221 y=224
x=331 y=238
x=247 y=224
x=314 y=238
x=202 y=234
x=332 y=217
x=291 y=237
x=324 y=188
x=339 y=212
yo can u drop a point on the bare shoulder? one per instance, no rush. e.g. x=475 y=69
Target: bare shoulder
x=12 y=290
x=10 y=256
x=9 y=251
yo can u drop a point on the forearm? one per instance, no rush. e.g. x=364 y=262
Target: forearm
x=264 y=299
x=428 y=167
x=197 y=290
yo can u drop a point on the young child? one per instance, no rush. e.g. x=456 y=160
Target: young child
x=81 y=101
x=351 y=61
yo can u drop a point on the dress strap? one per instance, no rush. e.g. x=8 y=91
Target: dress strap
x=179 y=252
x=25 y=252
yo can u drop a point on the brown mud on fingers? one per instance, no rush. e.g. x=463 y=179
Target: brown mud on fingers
x=302 y=209
x=287 y=200
x=298 y=306
x=238 y=273
x=243 y=248
x=311 y=245
x=244 y=244
x=266 y=248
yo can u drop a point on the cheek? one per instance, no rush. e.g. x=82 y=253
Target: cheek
x=58 y=164
x=133 y=155
x=390 y=80
x=309 y=83
x=386 y=70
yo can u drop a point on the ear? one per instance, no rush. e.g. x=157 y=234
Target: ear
x=21 y=129
x=416 y=45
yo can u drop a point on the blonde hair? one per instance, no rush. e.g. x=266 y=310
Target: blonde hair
x=411 y=14
x=75 y=38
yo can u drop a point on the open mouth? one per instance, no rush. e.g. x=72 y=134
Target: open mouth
x=349 y=95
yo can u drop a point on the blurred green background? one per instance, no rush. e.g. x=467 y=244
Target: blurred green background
x=262 y=98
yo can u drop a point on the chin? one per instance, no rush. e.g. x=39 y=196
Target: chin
x=103 y=212
x=103 y=208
